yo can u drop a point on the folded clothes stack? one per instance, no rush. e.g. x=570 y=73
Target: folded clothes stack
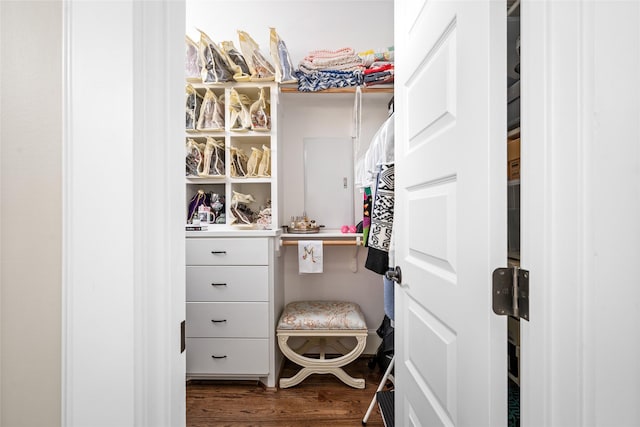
x=383 y=55
x=379 y=73
x=380 y=68
x=344 y=59
x=324 y=69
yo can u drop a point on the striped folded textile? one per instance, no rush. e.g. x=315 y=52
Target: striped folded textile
x=321 y=80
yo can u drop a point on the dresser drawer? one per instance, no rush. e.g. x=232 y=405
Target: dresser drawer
x=228 y=283
x=228 y=356
x=223 y=251
x=227 y=319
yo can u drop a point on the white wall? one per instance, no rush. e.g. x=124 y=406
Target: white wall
x=306 y=26
x=321 y=115
x=30 y=212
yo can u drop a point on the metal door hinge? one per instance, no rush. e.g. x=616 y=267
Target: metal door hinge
x=511 y=292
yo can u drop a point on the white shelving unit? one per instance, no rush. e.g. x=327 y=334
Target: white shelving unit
x=263 y=189
x=234 y=276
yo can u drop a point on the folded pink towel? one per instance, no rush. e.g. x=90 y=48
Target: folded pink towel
x=325 y=53
x=344 y=59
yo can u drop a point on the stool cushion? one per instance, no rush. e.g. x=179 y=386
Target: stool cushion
x=332 y=315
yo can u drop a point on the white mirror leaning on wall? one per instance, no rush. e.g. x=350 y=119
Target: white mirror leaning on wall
x=328 y=181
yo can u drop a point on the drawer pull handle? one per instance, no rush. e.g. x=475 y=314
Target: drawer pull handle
x=219 y=357
x=218 y=321
x=219 y=252
x=218 y=284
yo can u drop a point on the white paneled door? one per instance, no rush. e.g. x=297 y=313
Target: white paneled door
x=450 y=225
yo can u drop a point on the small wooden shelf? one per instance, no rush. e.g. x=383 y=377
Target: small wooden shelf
x=291 y=88
x=328 y=237
x=350 y=89
x=324 y=242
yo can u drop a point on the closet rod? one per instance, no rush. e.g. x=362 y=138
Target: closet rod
x=326 y=242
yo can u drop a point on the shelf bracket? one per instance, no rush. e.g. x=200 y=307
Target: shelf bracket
x=354 y=260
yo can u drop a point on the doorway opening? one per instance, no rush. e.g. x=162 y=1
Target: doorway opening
x=513 y=201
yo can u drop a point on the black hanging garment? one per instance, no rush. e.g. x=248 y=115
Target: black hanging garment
x=381 y=221
x=385 y=351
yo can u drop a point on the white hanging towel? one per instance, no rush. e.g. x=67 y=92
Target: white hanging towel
x=310 y=256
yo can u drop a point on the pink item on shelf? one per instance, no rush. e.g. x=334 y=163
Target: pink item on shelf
x=344 y=228
x=326 y=53
x=352 y=229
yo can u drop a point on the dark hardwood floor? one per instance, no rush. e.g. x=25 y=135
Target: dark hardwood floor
x=320 y=400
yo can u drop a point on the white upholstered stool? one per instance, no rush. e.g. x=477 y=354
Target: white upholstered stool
x=322 y=323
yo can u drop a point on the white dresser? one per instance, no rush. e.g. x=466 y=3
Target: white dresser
x=233 y=301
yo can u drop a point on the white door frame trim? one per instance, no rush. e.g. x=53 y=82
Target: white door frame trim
x=557 y=90
x=138 y=322
x=535 y=226
x=159 y=29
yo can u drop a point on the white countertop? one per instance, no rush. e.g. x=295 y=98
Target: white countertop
x=216 y=230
